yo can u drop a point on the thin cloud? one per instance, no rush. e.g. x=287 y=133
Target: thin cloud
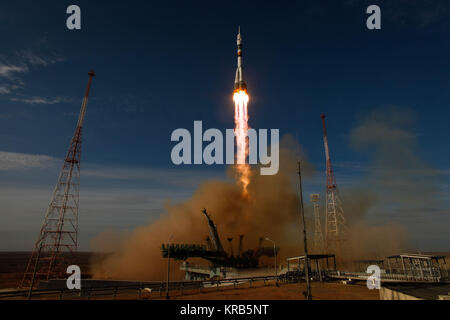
x=157 y=176
x=8 y=88
x=41 y=100
x=8 y=71
x=4 y=89
x=14 y=161
x=12 y=67
x=31 y=58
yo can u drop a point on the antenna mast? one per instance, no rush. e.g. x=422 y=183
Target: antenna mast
x=58 y=238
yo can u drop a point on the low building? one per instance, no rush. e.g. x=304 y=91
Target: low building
x=418 y=267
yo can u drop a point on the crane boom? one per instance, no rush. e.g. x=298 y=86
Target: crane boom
x=213 y=231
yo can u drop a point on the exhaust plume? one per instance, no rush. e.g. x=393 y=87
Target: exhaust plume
x=243 y=171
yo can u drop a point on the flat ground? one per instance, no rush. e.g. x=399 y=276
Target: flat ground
x=13 y=265
x=320 y=291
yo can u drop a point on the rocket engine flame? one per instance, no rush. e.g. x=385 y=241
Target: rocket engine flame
x=240 y=99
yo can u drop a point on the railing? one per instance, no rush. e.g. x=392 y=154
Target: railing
x=207 y=268
x=150 y=290
x=138 y=291
x=384 y=276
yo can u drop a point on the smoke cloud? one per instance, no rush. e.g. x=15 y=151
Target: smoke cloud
x=403 y=187
x=387 y=135
x=271 y=209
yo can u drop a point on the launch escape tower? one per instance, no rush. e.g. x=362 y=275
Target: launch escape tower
x=58 y=237
x=318 y=235
x=335 y=224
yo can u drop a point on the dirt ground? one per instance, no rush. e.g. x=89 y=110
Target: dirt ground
x=259 y=291
x=320 y=291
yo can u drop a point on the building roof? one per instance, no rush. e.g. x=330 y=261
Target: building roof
x=426 y=291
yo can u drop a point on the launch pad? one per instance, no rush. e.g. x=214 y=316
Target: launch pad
x=223 y=264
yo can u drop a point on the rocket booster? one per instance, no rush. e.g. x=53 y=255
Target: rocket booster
x=239 y=83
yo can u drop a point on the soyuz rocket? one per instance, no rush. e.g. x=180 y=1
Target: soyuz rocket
x=239 y=83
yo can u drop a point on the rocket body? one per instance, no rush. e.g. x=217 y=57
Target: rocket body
x=239 y=83
x=240 y=98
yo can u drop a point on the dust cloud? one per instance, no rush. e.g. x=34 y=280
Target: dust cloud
x=271 y=209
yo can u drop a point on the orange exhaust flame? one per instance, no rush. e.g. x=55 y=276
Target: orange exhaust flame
x=240 y=99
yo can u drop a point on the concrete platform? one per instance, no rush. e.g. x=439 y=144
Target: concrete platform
x=414 y=291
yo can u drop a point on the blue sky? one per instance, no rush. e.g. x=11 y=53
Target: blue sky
x=160 y=66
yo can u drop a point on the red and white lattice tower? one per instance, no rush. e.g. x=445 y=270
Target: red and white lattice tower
x=335 y=224
x=58 y=238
